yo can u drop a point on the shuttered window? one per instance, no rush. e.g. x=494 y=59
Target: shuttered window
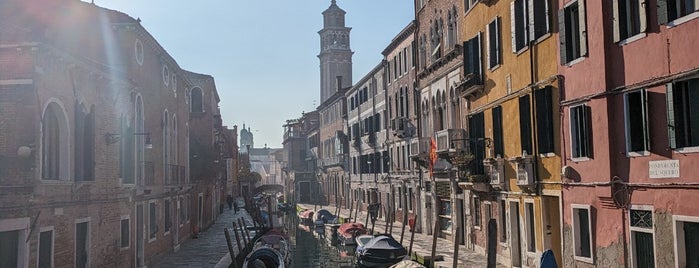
x=529 y=22
x=525 y=124
x=580 y=130
x=519 y=20
x=472 y=58
x=544 y=120
x=636 y=114
x=629 y=18
x=498 y=143
x=669 y=10
x=476 y=126
x=683 y=113
x=572 y=31
x=494 y=51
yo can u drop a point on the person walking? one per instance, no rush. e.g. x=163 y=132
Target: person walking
x=235 y=205
x=229 y=200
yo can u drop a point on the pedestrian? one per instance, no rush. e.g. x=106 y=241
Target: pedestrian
x=229 y=200
x=235 y=205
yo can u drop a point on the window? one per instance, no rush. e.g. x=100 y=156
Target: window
x=530 y=21
x=502 y=223
x=582 y=232
x=82 y=244
x=84 y=156
x=125 y=233
x=476 y=127
x=581 y=143
x=126 y=152
x=45 y=249
x=410 y=198
x=55 y=143
x=168 y=218
x=468 y=4
x=669 y=10
x=494 y=54
x=197 y=97
x=544 y=120
x=531 y=227
x=498 y=143
x=629 y=18
x=152 y=221
x=445 y=215
x=477 y=212
x=636 y=114
x=472 y=58
x=642 y=244
x=166 y=75
x=683 y=113
x=572 y=31
x=686 y=230
x=138 y=51
x=525 y=124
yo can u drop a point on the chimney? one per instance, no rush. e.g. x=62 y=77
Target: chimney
x=339 y=82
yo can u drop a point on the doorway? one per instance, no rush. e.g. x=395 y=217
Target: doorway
x=139 y=235
x=200 y=212
x=515 y=235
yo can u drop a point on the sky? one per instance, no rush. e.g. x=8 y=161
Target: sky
x=263 y=54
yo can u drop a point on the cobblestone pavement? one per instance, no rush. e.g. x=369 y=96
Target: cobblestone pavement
x=422 y=243
x=207 y=250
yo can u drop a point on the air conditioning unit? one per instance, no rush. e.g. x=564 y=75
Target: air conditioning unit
x=495 y=168
x=525 y=170
x=451 y=139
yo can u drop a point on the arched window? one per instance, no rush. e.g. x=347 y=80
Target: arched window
x=166 y=147
x=126 y=154
x=140 y=141
x=55 y=143
x=197 y=97
x=84 y=156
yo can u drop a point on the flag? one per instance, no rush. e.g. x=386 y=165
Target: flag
x=433 y=155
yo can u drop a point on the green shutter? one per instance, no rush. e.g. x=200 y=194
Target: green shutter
x=561 y=35
x=670 y=117
x=662 y=13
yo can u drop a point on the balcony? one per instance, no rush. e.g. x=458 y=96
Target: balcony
x=419 y=147
x=402 y=128
x=525 y=171
x=174 y=174
x=495 y=169
x=332 y=161
x=149 y=173
x=477 y=183
x=449 y=139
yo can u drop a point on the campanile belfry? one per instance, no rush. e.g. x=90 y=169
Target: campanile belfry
x=335 y=53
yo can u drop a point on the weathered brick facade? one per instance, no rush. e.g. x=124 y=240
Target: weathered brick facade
x=83 y=91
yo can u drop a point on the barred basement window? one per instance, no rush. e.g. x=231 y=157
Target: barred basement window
x=582 y=232
x=642 y=242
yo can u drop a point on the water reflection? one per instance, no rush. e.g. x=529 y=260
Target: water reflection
x=316 y=247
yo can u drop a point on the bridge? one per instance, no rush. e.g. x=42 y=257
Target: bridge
x=268 y=188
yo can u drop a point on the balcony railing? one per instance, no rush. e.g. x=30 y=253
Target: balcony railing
x=174 y=174
x=332 y=161
x=149 y=173
x=448 y=139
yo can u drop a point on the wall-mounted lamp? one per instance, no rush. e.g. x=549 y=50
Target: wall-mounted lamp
x=111 y=138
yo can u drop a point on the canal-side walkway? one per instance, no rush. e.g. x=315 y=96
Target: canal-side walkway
x=209 y=250
x=422 y=243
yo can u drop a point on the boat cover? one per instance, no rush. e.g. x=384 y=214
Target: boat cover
x=407 y=264
x=383 y=242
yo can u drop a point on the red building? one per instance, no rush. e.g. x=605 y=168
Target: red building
x=629 y=115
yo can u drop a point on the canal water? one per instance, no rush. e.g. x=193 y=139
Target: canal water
x=315 y=248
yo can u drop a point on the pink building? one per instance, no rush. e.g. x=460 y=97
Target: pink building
x=630 y=122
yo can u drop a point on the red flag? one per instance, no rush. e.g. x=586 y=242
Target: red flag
x=433 y=155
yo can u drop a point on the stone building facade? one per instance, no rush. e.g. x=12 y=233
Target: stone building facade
x=94 y=139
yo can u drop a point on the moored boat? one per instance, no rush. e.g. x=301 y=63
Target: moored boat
x=347 y=232
x=270 y=250
x=381 y=251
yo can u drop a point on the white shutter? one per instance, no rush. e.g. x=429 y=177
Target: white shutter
x=488 y=44
x=512 y=27
x=615 y=20
x=530 y=19
x=583 y=28
x=642 y=6
x=670 y=105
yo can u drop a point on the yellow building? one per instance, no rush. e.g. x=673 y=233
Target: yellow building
x=511 y=88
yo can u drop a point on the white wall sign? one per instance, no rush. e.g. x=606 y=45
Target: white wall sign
x=664 y=169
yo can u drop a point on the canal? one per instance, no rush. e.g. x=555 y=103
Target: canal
x=315 y=248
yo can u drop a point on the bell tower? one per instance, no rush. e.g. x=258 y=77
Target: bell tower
x=335 y=53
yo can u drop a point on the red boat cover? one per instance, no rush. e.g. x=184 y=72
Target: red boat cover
x=350 y=228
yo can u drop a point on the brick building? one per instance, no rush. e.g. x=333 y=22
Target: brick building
x=93 y=139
